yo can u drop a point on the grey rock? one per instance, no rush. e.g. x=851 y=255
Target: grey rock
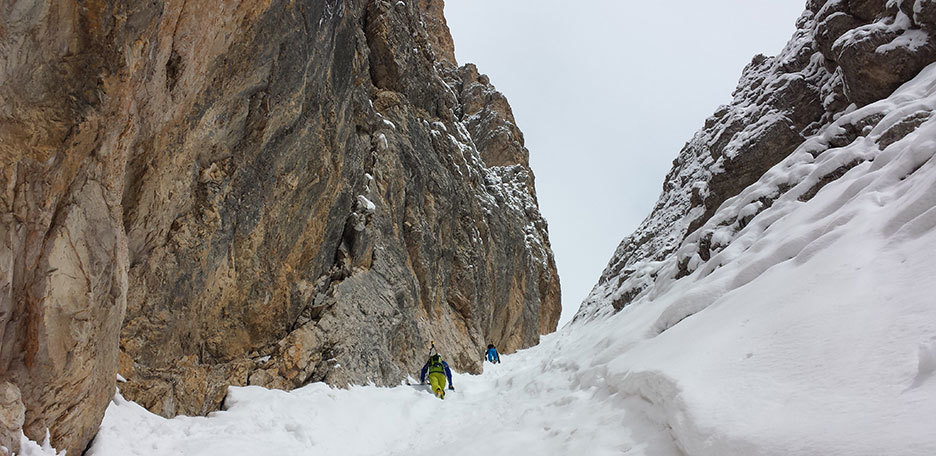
x=876 y=60
x=868 y=10
x=925 y=13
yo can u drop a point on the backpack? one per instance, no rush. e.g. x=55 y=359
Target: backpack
x=435 y=365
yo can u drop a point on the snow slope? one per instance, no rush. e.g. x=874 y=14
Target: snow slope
x=811 y=330
x=512 y=409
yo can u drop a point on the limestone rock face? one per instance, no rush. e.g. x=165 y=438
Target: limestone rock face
x=12 y=417
x=844 y=54
x=63 y=250
x=489 y=119
x=201 y=194
x=439 y=36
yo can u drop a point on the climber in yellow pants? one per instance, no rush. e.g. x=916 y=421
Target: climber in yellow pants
x=438 y=371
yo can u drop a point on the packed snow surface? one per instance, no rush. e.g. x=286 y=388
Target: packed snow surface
x=812 y=331
x=512 y=409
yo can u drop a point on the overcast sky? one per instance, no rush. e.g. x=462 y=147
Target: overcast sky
x=607 y=93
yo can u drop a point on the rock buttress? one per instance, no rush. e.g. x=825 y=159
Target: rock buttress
x=271 y=193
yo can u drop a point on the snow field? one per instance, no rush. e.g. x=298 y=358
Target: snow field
x=525 y=407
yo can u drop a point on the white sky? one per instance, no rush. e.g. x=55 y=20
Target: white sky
x=607 y=93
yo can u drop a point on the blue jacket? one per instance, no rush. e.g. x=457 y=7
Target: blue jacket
x=448 y=372
x=492 y=355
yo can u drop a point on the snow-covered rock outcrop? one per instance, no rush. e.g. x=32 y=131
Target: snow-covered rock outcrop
x=809 y=328
x=778 y=300
x=843 y=55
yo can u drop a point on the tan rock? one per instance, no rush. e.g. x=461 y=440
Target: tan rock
x=490 y=120
x=439 y=35
x=12 y=416
x=272 y=192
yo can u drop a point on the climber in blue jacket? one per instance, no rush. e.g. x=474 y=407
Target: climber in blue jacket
x=492 y=355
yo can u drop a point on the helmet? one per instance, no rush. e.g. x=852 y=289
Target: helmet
x=437 y=358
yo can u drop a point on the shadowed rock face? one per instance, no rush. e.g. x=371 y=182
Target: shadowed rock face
x=843 y=53
x=199 y=194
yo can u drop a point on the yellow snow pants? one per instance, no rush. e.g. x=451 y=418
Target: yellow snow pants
x=437 y=381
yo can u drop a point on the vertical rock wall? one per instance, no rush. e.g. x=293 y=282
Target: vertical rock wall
x=199 y=194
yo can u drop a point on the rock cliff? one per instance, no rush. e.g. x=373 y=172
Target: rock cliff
x=844 y=55
x=198 y=194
